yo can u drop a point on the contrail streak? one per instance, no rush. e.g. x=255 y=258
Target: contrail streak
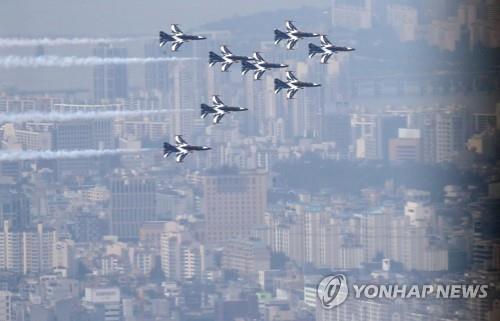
x=60 y=154
x=65 y=116
x=30 y=42
x=70 y=61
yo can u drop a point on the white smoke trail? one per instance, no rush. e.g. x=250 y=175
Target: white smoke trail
x=70 y=61
x=30 y=42
x=60 y=154
x=65 y=116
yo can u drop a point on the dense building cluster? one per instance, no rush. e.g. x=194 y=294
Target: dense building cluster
x=387 y=173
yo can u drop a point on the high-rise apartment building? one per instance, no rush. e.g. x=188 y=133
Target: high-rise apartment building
x=451 y=131
x=27 y=251
x=182 y=256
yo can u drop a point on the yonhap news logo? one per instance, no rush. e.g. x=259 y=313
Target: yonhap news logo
x=333 y=290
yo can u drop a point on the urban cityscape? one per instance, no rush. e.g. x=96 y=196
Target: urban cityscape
x=335 y=137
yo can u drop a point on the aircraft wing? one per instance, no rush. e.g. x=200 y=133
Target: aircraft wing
x=290 y=76
x=324 y=40
x=175 y=29
x=180 y=157
x=325 y=57
x=217 y=101
x=225 y=50
x=258 y=74
x=179 y=140
x=258 y=57
x=290 y=26
x=225 y=66
x=291 y=92
x=217 y=118
x=176 y=45
x=291 y=43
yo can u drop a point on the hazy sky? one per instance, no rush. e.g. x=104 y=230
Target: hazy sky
x=114 y=17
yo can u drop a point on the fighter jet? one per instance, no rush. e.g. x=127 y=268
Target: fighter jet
x=177 y=37
x=227 y=59
x=218 y=108
x=181 y=149
x=327 y=49
x=259 y=66
x=292 y=85
x=292 y=35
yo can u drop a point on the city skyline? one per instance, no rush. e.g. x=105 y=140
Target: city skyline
x=236 y=171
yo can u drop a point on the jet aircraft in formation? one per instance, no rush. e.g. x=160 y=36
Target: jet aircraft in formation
x=227 y=59
x=177 y=37
x=292 y=85
x=181 y=148
x=259 y=66
x=219 y=109
x=327 y=49
x=291 y=35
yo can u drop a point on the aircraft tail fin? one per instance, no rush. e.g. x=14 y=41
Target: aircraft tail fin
x=313 y=49
x=279 y=85
x=214 y=58
x=205 y=110
x=164 y=38
x=168 y=149
x=279 y=35
x=246 y=66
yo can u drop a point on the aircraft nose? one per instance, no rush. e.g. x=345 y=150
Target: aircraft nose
x=283 y=65
x=243 y=108
x=206 y=148
x=316 y=35
x=202 y=37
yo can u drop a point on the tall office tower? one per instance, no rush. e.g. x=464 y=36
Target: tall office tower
x=156 y=73
x=182 y=256
x=27 y=251
x=73 y=135
x=255 y=100
x=352 y=14
x=388 y=128
x=110 y=80
x=185 y=97
x=79 y=134
x=14 y=204
x=336 y=127
x=305 y=109
x=233 y=203
x=97 y=133
x=133 y=202
x=450 y=135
